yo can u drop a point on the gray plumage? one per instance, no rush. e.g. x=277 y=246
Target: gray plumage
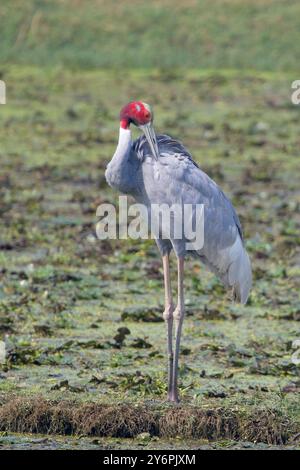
x=176 y=178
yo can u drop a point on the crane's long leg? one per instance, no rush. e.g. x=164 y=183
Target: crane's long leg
x=168 y=317
x=178 y=317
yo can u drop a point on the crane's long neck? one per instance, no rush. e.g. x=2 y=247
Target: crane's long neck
x=119 y=172
x=124 y=144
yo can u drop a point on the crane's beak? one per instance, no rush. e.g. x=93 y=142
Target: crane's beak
x=151 y=139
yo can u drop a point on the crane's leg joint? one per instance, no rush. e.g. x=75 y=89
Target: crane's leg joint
x=168 y=312
x=178 y=315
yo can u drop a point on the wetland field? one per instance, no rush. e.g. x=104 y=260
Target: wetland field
x=81 y=319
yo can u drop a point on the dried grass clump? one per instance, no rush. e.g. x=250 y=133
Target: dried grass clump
x=46 y=417
x=115 y=420
x=198 y=423
x=126 y=420
x=267 y=426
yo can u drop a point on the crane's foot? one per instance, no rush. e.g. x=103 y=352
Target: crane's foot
x=173 y=397
x=174 y=400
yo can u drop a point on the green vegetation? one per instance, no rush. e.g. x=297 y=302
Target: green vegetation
x=257 y=34
x=65 y=296
x=82 y=319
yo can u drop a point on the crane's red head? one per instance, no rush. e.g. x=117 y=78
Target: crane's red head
x=137 y=113
x=141 y=115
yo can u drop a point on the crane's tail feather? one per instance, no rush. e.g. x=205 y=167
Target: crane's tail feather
x=232 y=266
x=239 y=272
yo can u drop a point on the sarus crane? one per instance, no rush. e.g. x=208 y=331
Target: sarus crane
x=158 y=169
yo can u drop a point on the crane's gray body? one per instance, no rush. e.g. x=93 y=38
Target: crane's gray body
x=176 y=179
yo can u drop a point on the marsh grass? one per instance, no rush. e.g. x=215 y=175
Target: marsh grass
x=256 y=35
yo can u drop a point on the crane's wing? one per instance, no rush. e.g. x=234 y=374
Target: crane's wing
x=167 y=146
x=223 y=251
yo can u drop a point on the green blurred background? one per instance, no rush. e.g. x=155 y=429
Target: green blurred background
x=257 y=34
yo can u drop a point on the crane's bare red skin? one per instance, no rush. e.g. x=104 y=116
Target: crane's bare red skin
x=136 y=113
